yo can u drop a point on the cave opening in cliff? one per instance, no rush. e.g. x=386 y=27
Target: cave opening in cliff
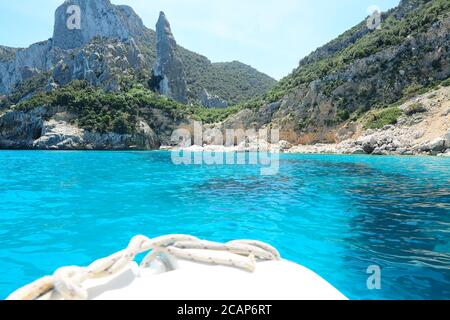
x=154 y=83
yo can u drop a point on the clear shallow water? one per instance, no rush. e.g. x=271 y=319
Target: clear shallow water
x=334 y=214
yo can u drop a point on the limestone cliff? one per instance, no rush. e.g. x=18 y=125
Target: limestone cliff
x=23 y=64
x=169 y=74
x=422 y=128
x=97 y=18
x=360 y=71
x=48 y=128
x=110 y=47
x=210 y=101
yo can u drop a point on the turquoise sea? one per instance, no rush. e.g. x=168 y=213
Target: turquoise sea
x=337 y=215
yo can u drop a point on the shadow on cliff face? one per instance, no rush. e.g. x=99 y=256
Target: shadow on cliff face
x=155 y=82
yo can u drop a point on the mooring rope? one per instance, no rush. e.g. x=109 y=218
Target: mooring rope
x=67 y=282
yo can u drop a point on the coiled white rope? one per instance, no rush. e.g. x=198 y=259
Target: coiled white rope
x=67 y=282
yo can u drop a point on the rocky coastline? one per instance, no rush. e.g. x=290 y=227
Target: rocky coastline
x=425 y=133
x=323 y=106
x=53 y=129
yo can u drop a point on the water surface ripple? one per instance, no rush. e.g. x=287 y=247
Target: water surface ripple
x=334 y=214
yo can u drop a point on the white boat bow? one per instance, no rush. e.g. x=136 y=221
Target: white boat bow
x=181 y=267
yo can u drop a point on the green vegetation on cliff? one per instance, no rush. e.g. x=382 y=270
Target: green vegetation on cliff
x=234 y=81
x=394 y=31
x=361 y=74
x=7 y=54
x=101 y=111
x=378 y=118
x=25 y=89
x=385 y=78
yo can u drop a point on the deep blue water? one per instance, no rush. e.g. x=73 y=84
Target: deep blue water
x=334 y=214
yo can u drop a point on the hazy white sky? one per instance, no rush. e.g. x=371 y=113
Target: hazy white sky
x=270 y=35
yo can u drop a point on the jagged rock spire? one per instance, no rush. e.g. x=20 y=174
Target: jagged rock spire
x=168 y=70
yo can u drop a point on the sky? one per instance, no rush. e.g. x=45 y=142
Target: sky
x=270 y=35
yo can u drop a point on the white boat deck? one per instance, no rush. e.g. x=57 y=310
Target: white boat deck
x=181 y=267
x=272 y=280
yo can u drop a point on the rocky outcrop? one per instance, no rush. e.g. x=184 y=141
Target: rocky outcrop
x=425 y=133
x=19 y=129
x=168 y=74
x=7 y=53
x=54 y=129
x=97 y=18
x=331 y=85
x=102 y=51
x=353 y=35
x=249 y=119
x=101 y=63
x=24 y=64
x=379 y=144
x=113 y=49
x=212 y=101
